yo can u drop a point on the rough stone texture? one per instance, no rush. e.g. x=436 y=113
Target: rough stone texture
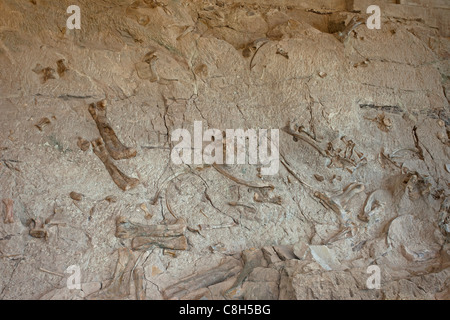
x=365 y=184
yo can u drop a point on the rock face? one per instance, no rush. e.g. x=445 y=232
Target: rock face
x=364 y=134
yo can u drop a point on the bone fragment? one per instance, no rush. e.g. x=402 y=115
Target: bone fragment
x=119 y=287
x=9 y=217
x=227 y=269
x=145 y=237
x=115 y=148
x=121 y=180
x=139 y=287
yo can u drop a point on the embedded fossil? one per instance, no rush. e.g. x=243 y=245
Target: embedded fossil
x=146 y=243
x=111 y=199
x=283 y=53
x=252 y=258
x=253 y=46
x=348 y=193
x=61 y=67
x=300 y=135
x=302 y=75
x=148 y=214
x=239 y=204
x=83 y=144
x=139 y=283
x=120 y=179
x=115 y=148
x=165 y=183
x=250 y=184
x=119 y=287
x=76 y=196
x=225 y=270
x=46 y=73
x=383 y=122
x=42 y=123
x=373 y=206
x=9 y=217
x=146 y=69
x=352 y=25
x=144 y=237
x=187 y=30
x=127 y=230
x=37 y=229
x=258 y=197
x=444 y=217
x=339 y=203
x=212 y=227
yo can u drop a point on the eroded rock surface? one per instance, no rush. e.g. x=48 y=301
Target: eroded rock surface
x=364 y=149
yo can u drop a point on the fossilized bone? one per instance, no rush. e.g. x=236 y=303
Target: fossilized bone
x=328 y=202
x=227 y=269
x=46 y=73
x=145 y=243
x=342 y=161
x=139 y=286
x=115 y=148
x=165 y=183
x=76 y=196
x=9 y=217
x=383 y=122
x=145 y=237
x=348 y=193
x=148 y=214
x=119 y=287
x=303 y=136
x=146 y=69
x=286 y=164
x=83 y=144
x=352 y=25
x=37 y=229
x=127 y=230
x=258 y=197
x=250 y=184
x=42 y=123
x=252 y=258
x=220 y=226
x=444 y=217
x=241 y=204
x=253 y=46
x=373 y=206
x=339 y=203
x=61 y=67
x=187 y=29
x=121 y=180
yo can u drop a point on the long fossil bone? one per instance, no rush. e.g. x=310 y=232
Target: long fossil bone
x=145 y=237
x=115 y=148
x=121 y=180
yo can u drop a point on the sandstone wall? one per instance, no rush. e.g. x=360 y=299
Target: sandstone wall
x=364 y=144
